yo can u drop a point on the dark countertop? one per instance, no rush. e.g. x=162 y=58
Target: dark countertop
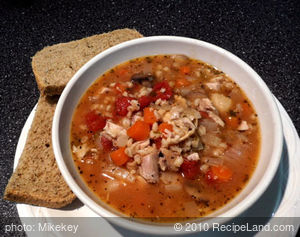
x=265 y=34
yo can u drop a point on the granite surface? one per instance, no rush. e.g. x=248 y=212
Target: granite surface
x=265 y=34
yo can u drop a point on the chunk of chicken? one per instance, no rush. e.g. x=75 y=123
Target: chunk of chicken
x=216 y=118
x=204 y=104
x=149 y=168
x=193 y=156
x=117 y=132
x=141 y=148
x=80 y=151
x=180 y=101
x=243 y=126
x=213 y=85
x=162 y=163
x=173 y=159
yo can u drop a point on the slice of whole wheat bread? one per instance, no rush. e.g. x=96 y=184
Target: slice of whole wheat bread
x=37 y=179
x=55 y=65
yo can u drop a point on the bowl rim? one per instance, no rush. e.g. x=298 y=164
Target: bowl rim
x=160 y=229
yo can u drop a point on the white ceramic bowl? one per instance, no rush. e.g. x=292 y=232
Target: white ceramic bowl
x=239 y=71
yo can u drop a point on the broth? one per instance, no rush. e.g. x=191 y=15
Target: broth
x=165 y=137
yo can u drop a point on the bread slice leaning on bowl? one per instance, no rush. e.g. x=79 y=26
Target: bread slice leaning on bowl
x=54 y=66
x=37 y=179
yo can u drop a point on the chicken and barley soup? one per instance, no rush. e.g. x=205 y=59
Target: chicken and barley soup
x=165 y=136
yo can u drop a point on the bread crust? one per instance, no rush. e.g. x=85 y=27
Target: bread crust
x=37 y=179
x=55 y=65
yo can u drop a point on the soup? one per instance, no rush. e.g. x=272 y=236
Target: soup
x=165 y=137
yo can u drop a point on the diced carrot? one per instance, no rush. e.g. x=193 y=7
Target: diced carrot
x=120 y=88
x=119 y=156
x=139 y=131
x=123 y=72
x=165 y=126
x=246 y=109
x=185 y=69
x=149 y=116
x=222 y=173
x=232 y=122
x=182 y=82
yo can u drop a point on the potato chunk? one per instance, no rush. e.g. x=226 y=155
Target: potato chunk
x=221 y=102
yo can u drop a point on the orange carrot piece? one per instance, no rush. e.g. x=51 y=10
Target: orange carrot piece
x=182 y=82
x=149 y=116
x=165 y=126
x=223 y=173
x=232 y=122
x=185 y=69
x=119 y=156
x=246 y=109
x=123 y=72
x=139 y=131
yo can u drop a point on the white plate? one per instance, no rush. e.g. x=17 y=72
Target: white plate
x=281 y=199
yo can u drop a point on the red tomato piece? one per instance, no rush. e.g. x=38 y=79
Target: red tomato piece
x=210 y=177
x=106 y=143
x=94 y=121
x=190 y=169
x=204 y=114
x=122 y=104
x=157 y=142
x=162 y=91
x=144 y=101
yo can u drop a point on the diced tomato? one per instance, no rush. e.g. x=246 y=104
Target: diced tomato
x=94 y=121
x=210 y=177
x=157 y=142
x=122 y=104
x=144 y=101
x=135 y=89
x=190 y=169
x=162 y=90
x=204 y=114
x=106 y=143
x=219 y=174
